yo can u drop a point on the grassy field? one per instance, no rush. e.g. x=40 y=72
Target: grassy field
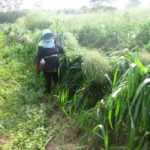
x=103 y=99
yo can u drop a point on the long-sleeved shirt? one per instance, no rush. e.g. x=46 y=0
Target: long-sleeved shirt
x=50 y=57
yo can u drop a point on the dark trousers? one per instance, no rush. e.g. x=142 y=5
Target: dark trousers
x=48 y=78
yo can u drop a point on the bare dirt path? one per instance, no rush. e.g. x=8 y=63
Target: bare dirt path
x=63 y=136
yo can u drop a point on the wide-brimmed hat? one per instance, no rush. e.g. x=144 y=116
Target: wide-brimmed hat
x=46 y=32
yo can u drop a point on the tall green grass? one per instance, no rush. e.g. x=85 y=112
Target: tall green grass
x=23 y=118
x=96 y=67
x=104 y=92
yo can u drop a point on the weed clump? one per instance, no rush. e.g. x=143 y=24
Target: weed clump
x=95 y=66
x=144 y=57
x=70 y=41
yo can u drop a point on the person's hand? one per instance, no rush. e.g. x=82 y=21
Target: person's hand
x=37 y=68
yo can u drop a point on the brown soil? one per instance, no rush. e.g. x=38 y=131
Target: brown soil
x=63 y=136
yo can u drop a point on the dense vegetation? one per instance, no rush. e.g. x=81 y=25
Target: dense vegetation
x=105 y=80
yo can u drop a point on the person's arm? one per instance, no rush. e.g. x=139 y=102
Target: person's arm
x=61 y=51
x=38 y=58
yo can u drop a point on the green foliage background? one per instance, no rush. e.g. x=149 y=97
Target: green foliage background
x=104 y=89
